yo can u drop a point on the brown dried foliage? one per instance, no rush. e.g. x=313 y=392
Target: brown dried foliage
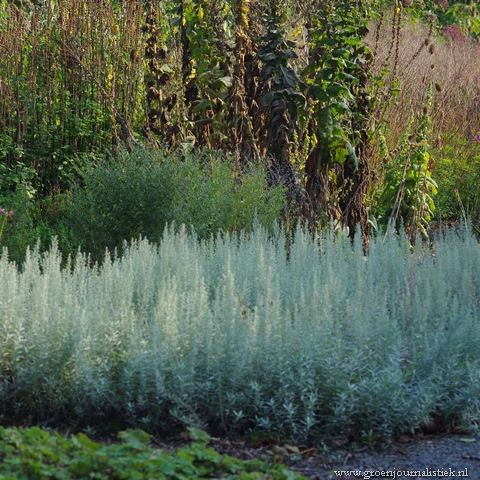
x=453 y=67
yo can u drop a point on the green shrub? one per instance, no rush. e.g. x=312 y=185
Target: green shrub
x=458 y=173
x=232 y=335
x=51 y=221
x=18 y=231
x=35 y=221
x=138 y=194
x=122 y=198
x=210 y=195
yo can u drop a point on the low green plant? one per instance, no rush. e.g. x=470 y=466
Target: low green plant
x=19 y=174
x=51 y=221
x=37 y=453
x=35 y=221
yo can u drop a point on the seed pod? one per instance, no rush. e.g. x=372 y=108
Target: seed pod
x=149 y=52
x=425 y=110
x=164 y=79
x=432 y=66
x=431 y=48
x=171 y=101
x=153 y=94
x=153 y=65
x=427 y=42
x=438 y=87
x=218 y=104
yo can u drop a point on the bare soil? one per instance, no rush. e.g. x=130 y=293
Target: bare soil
x=451 y=453
x=430 y=456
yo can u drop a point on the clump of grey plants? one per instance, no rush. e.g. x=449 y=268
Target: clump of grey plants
x=234 y=335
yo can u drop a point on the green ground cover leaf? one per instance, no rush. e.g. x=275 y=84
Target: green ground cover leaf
x=37 y=454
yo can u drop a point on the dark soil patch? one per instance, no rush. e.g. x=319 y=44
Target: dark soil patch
x=452 y=453
x=432 y=456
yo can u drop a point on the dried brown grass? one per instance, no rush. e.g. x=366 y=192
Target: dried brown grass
x=452 y=64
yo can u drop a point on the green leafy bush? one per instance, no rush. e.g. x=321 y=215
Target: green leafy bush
x=210 y=194
x=458 y=172
x=35 y=221
x=35 y=453
x=232 y=335
x=464 y=14
x=122 y=198
x=18 y=231
x=138 y=194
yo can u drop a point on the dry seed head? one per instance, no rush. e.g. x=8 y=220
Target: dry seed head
x=431 y=48
x=438 y=87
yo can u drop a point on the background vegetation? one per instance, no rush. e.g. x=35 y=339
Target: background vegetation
x=358 y=128
x=219 y=118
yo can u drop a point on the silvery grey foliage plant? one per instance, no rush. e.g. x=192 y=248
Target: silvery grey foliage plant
x=233 y=335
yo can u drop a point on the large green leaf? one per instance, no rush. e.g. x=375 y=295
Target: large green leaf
x=268 y=98
x=226 y=81
x=336 y=90
x=205 y=103
x=352 y=155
